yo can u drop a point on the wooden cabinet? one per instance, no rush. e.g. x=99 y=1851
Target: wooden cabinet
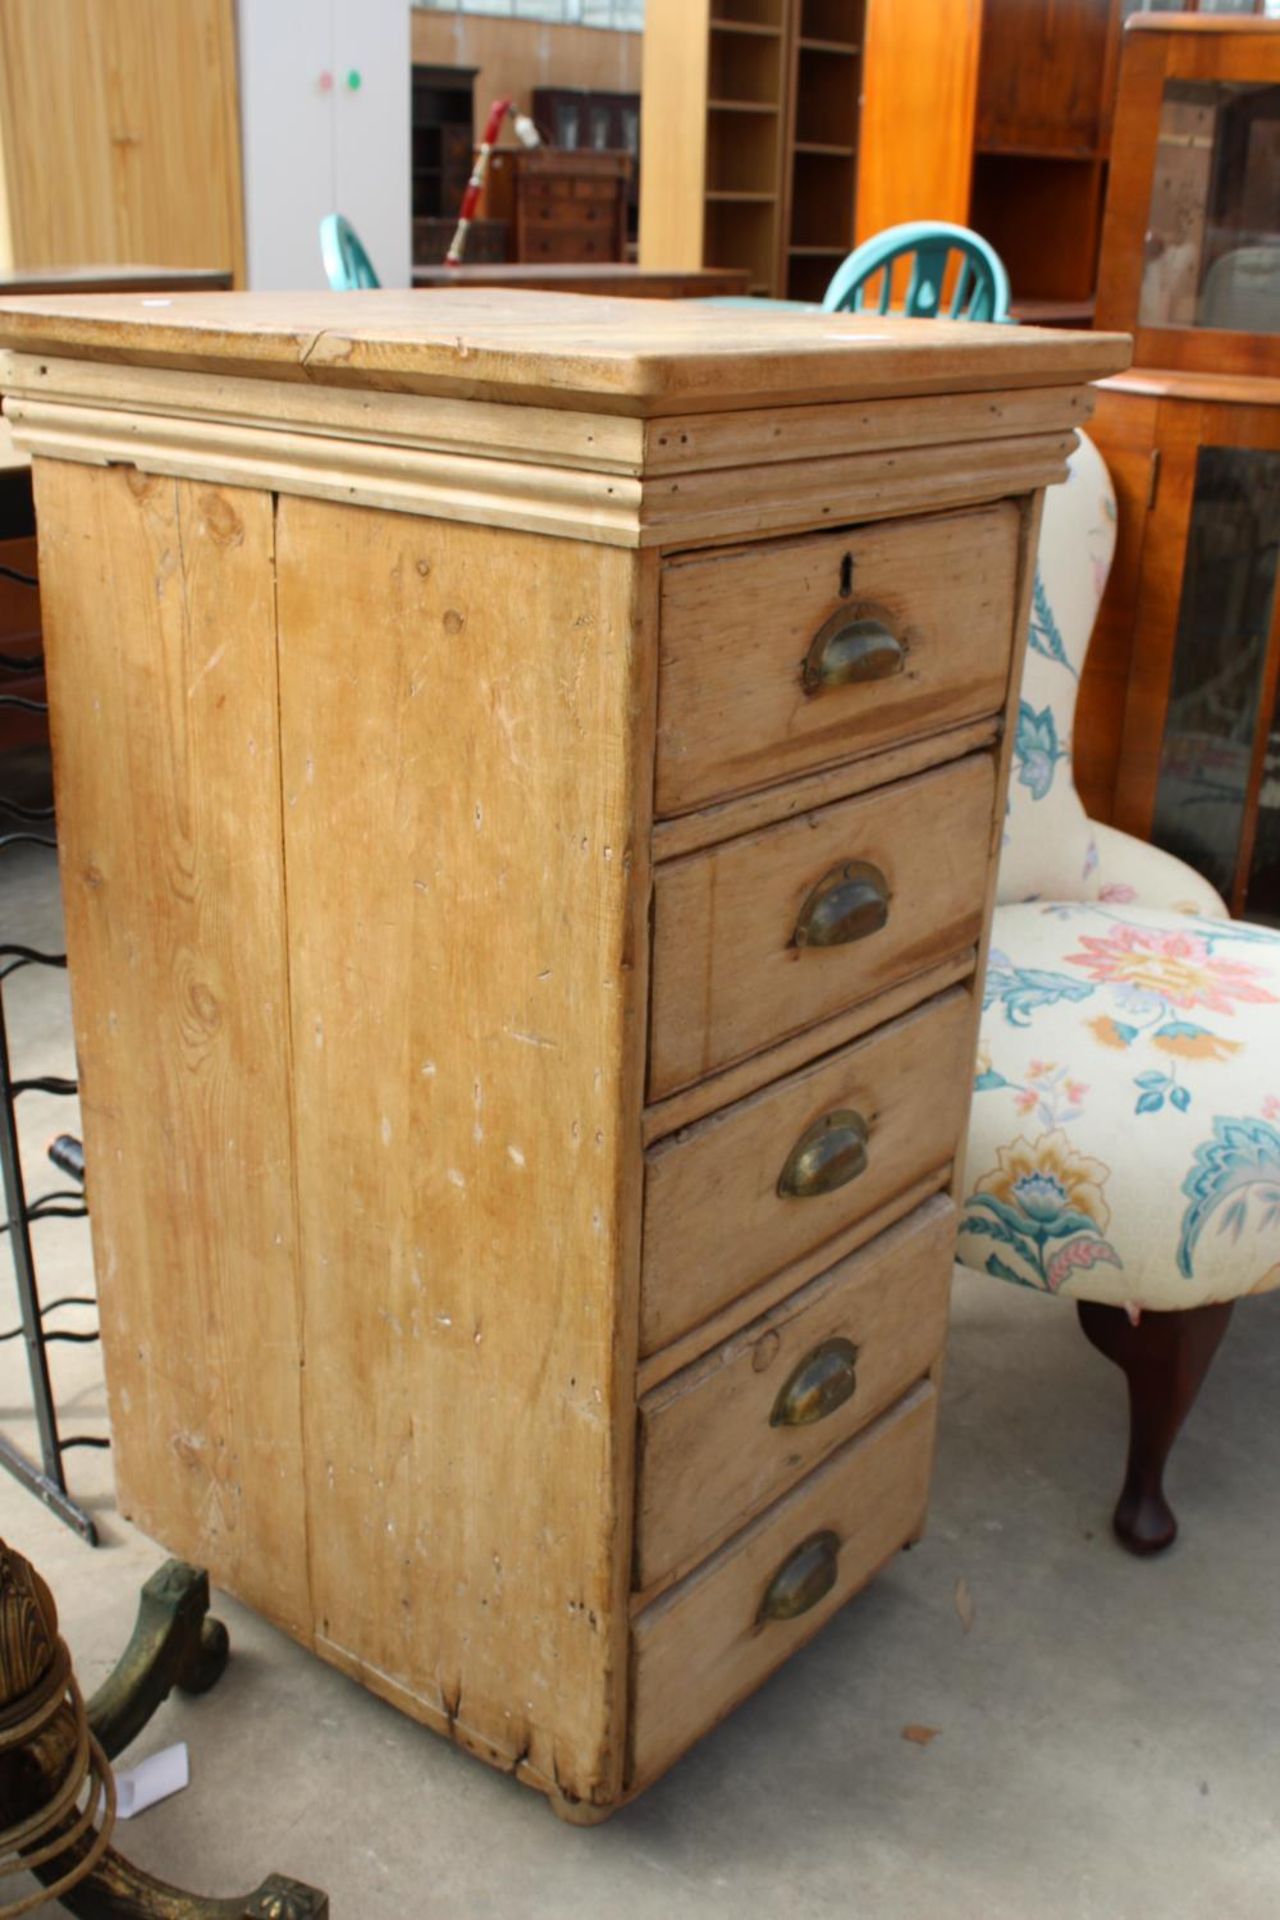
x=1046 y=90
x=119 y=134
x=521 y=1081
x=1178 y=736
x=443 y=140
x=560 y=206
x=751 y=112
x=326 y=113
x=592 y=118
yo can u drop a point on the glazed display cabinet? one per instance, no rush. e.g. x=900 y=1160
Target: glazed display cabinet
x=1178 y=738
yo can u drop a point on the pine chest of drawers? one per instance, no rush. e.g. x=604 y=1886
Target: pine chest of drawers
x=529 y=770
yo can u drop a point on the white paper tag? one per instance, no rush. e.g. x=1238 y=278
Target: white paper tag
x=152 y=1780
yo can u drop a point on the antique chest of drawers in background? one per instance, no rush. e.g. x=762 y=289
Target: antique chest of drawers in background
x=529 y=770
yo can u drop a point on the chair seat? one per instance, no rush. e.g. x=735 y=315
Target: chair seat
x=1125 y=1137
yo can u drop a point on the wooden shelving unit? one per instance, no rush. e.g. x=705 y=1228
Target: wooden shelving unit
x=826 y=80
x=750 y=138
x=1042 y=137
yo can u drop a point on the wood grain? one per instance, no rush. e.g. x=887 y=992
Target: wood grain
x=119 y=122
x=673 y=133
x=534 y=496
x=710 y=1457
x=654 y=1368
x=646 y=358
x=700 y=1649
x=745 y=1077
x=1043 y=83
x=360 y=861
x=475 y=784
x=733 y=711
x=916 y=147
x=728 y=978
x=714 y=1222
x=159 y=628
x=765 y=806
x=556 y=436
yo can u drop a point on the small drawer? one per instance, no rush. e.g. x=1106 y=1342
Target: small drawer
x=724 y=1437
x=712 y=1639
x=796 y=654
x=737 y=1197
x=770 y=933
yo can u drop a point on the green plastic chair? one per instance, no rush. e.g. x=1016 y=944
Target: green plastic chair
x=346 y=263
x=982 y=286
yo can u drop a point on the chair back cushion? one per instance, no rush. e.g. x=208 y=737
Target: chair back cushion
x=1049 y=851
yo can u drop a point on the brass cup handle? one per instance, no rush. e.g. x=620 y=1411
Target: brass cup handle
x=823 y=1381
x=848 y=903
x=804 y=1578
x=856 y=645
x=827 y=1155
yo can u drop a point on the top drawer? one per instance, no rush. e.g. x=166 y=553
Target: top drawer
x=798 y=653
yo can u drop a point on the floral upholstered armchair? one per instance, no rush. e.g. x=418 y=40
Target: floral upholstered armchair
x=1124 y=1147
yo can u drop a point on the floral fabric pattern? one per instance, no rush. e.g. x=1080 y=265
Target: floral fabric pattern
x=1048 y=844
x=1044 y=1201
x=1124 y=1144
x=1125 y=1135
x=1036 y=752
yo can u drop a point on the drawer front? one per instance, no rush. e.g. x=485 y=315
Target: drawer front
x=919 y=630
x=767 y=934
x=741 y=1194
x=726 y=1436
x=704 y=1646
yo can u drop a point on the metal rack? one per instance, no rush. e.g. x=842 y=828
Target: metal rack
x=47 y=1479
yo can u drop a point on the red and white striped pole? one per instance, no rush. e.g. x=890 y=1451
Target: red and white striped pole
x=528 y=136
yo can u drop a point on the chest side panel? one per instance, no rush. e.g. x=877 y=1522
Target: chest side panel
x=461 y=709
x=160 y=646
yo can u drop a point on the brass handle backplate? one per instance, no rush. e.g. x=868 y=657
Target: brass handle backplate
x=803 y=1579
x=827 y=1155
x=855 y=645
x=823 y=1381
x=847 y=904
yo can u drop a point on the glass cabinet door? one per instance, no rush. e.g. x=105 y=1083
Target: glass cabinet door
x=1212 y=244
x=1217 y=800
x=1262 y=886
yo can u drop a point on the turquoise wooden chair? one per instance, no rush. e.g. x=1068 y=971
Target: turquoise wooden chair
x=981 y=290
x=346 y=263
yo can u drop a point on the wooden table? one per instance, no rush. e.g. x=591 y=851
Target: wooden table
x=114 y=279
x=525 y=1018
x=637 y=283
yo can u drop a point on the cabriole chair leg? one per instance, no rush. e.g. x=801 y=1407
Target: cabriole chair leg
x=1164 y=1358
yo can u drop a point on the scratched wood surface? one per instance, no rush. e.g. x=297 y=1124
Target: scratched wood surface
x=728 y=977
x=641 y=357
x=159 y=629
x=357 y=804
x=465 y=873
x=733 y=710
x=715 y=1224
x=710 y=1453
x=702 y=1647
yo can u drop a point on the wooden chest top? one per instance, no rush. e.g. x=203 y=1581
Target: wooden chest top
x=596 y=354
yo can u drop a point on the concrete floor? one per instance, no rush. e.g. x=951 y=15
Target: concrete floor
x=1106 y=1730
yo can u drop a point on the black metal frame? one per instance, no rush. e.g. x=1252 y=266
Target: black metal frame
x=48 y=1479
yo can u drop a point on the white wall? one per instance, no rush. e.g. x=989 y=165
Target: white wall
x=311 y=149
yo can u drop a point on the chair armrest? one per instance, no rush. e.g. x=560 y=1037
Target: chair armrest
x=1133 y=872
